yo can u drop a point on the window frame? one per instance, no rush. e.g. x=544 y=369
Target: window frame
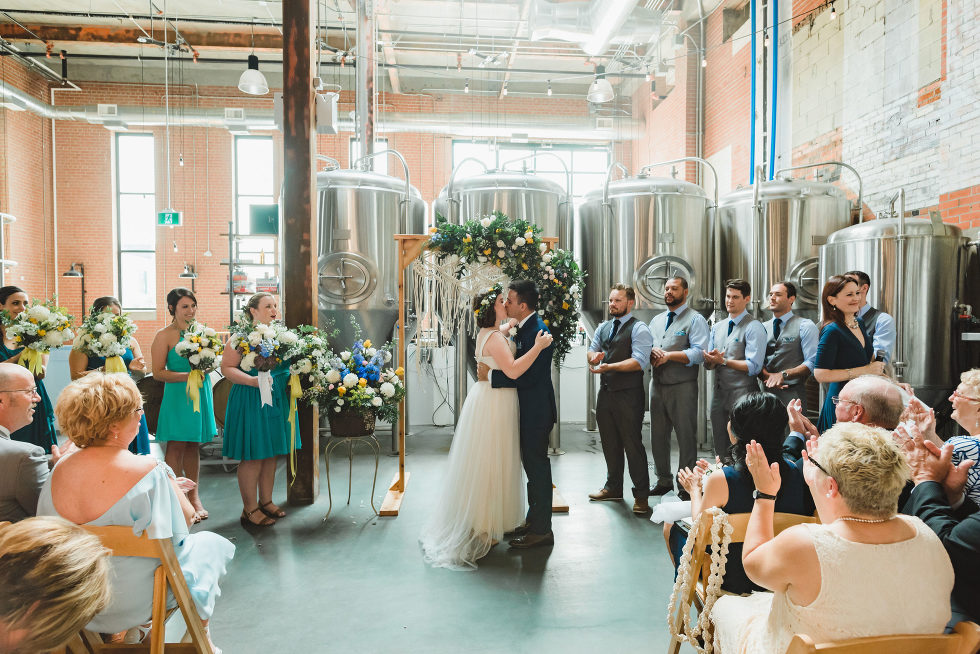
x=119 y=193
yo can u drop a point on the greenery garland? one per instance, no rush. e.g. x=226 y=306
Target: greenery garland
x=515 y=247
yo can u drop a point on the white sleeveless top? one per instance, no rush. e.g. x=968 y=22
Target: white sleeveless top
x=481 y=340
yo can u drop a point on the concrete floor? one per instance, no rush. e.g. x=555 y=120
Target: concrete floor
x=357 y=583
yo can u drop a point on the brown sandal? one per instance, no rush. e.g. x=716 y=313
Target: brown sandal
x=247 y=522
x=275 y=515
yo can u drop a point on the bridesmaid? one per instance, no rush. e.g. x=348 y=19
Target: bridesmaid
x=256 y=434
x=182 y=428
x=41 y=431
x=79 y=365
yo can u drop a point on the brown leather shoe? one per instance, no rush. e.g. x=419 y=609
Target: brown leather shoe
x=528 y=541
x=605 y=495
x=519 y=530
x=641 y=507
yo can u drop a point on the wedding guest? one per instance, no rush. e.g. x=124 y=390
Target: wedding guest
x=105 y=484
x=758 y=417
x=938 y=499
x=23 y=466
x=619 y=353
x=79 y=364
x=55 y=578
x=41 y=431
x=966 y=412
x=865 y=571
x=257 y=434
x=879 y=325
x=791 y=348
x=738 y=347
x=179 y=426
x=680 y=337
x=845 y=349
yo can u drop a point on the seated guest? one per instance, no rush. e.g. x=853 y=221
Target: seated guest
x=105 y=484
x=759 y=416
x=55 y=577
x=864 y=572
x=966 y=411
x=939 y=501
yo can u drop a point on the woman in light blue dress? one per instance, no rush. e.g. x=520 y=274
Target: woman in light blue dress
x=105 y=484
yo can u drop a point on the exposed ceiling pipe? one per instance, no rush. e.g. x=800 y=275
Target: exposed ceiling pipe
x=594 y=25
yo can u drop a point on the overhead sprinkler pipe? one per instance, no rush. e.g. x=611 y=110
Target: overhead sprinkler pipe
x=775 y=86
x=752 y=23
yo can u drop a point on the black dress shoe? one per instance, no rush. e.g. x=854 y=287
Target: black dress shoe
x=660 y=490
x=519 y=530
x=528 y=541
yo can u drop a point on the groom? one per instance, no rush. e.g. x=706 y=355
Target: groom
x=536 y=397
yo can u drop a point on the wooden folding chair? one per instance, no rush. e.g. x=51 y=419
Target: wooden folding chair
x=701 y=564
x=122 y=542
x=964 y=640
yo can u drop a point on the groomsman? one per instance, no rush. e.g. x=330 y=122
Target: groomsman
x=680 y=337
x=791 y=347
x=619 y=352
x=738 y=347
x=879 y=325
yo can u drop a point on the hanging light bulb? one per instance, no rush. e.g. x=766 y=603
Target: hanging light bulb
x=252 y=81
x=175 y=245
x=833 y=12
x=459 y=62
x=649 y=75
x=704 y=59
x=766 y=40
x=549 y=87
x=466 y=87
x=504 y=91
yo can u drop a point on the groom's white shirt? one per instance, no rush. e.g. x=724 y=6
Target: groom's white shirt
x=521 y=323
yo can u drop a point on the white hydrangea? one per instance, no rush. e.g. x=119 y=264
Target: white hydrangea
x=370 y=352
x=376 y=401
x=368 y=390
x=248 y=361
x=519 y=241
x=254 y=338
x=54 y=339
x=345 y=355
x=100 y=327
x=107 y=339
x=500 y=243
x=194 y=359
x=350 y=379
x=333 y=376
x=485 y=221
x=209 y=332
x=387 y=389
x=288 y=338
x=208 y=353
x=39 y=312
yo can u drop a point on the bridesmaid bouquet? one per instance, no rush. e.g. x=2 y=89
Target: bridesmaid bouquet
x=40 y=327
x=106 y=335
x=262 y=347
x=202 y=348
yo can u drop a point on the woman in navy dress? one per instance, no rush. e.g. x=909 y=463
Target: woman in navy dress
x=79 y=365
x=845 y=349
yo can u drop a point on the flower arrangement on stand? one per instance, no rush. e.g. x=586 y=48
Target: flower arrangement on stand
x=306 y=358
x=516 y=248
x=38 y=328
x=104 y=334
x=202 y=348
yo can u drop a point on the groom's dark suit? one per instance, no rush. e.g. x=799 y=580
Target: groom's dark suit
x=539 y=412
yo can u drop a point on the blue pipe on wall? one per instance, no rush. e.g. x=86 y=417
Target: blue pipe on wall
x=775 y=87
x=752 y=97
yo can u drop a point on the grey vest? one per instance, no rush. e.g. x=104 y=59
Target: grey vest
x=788 y=352
x=618 y=349
x=870 y=321
x=674 y=340
x=726 y=378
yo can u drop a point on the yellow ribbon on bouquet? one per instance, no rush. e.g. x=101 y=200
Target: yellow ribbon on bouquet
x=33 y=361
x=115 y=364
x=195 y=380
x=295 y=392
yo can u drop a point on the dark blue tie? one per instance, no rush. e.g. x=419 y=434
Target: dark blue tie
x=670 y=319
x=776 y=328
x=615 y=329
x=731 y=326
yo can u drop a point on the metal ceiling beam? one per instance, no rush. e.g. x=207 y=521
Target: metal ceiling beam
x=201 y=40
x=525 y=12
x=384 y=26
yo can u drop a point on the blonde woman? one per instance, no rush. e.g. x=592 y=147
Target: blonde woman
x=966 y=412
x=105 y=484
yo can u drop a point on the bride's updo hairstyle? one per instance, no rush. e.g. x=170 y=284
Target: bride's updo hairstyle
x=486 y=315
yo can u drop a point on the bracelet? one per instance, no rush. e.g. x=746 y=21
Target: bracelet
x=724 y=362
x=849 y=373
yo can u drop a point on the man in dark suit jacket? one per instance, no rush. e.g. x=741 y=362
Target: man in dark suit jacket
x=23 y=466
x=938 y=500
x=539 y=412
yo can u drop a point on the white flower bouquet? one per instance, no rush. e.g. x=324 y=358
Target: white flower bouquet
x=263 y=347
x=40 y=327
x=202 y=348
x=106 y=335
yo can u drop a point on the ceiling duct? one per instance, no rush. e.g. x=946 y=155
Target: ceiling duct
x=594 y=25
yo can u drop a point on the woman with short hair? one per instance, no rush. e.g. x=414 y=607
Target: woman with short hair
x=966 y=412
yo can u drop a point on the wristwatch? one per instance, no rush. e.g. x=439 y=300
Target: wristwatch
x=759 y=495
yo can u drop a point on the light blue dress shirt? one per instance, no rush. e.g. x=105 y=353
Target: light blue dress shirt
x=884 y=338
x=698 y=333
x=642 y=340
x=755 y=343
x=809 y=338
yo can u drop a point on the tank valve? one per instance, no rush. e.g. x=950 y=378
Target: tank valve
x=389 y=301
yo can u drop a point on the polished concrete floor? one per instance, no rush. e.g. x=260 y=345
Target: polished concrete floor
x=357 y=582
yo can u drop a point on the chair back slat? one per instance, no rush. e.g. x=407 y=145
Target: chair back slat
x=964 y=640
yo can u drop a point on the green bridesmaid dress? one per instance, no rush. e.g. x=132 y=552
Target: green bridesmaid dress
x=41 y=431
x=178 y=420
x=253 y=431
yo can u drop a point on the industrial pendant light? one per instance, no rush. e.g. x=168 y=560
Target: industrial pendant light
x=601 y=90
x=252 y=81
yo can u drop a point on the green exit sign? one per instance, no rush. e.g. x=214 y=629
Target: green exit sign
x=169 y=218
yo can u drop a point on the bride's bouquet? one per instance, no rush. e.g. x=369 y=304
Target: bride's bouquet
x=263 y=347
x=38 y=328
x=202 y=348
x=104 y=334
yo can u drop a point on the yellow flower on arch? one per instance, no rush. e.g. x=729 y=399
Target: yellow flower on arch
x=341 y=390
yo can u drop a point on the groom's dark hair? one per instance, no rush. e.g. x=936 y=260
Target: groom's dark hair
x=527 y=292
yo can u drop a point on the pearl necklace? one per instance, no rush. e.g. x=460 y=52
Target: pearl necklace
x=853 y=325
x=867 y=521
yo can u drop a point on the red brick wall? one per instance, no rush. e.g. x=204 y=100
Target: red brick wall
x=961 y=207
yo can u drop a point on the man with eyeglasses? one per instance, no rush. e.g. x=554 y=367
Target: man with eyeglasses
x=23 y=466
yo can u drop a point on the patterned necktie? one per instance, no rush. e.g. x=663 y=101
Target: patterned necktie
x=731 y=327
x=776 y=328
x=670 y=319
x=615 y=329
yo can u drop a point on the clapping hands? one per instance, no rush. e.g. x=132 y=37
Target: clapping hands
x=798 y=422
x=764 y=475
x=930 y=462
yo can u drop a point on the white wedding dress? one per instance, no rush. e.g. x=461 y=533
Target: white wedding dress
x=483 y=491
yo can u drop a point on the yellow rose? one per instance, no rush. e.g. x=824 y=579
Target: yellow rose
x=524 y=266
x=341 y=390
x=433 y=230
x=362 y=382
x=400 y=371
x=487 y=251
x=564 y=305
x=41 y=332
x=367 y=343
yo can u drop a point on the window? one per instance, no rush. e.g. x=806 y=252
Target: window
x=136 y=221
x=380 y=164
x=254 y=178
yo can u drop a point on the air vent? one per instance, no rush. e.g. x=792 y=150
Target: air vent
x=234 y=113
x=603 y=122
x=108 y=111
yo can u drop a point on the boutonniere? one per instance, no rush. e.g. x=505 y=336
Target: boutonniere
x=513 y=332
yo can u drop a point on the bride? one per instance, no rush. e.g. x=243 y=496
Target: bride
x=483 y=492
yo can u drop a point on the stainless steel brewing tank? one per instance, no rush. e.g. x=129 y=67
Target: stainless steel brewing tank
x=538 y=200
x=359 y=212
x=652 y=228
x=920 y=296
x=781 y=241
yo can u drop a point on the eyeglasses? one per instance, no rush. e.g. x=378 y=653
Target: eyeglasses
x=29 y=391
x=837 y=399
x=819 y=467
x=965 y=397
x=139 y=410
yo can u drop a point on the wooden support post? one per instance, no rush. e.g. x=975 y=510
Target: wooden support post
x=299 y=215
